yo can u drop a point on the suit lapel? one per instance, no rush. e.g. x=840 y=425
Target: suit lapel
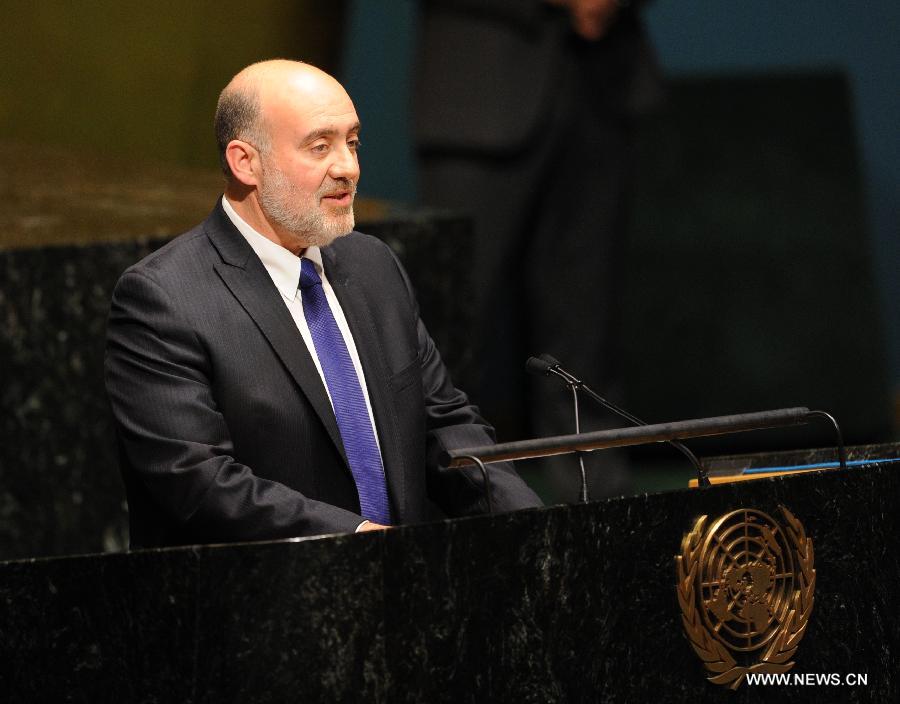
x=362 y=322
x=247 y=279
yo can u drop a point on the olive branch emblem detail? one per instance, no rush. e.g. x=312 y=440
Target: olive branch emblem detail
x=745 y=585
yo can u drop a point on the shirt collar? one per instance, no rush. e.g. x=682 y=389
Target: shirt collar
x=282 y=264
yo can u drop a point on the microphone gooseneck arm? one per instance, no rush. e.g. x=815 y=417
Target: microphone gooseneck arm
x=585 y=497
x=546 y=364
x=841 y=449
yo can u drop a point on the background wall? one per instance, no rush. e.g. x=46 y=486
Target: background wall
x=140 y=80
x=859 y=39
x=376 y=67
x=693 y=37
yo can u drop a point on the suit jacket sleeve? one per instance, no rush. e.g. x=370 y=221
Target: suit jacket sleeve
x=453 y=423
x=174 y=439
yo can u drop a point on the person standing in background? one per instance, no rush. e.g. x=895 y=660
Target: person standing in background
x=525 y=113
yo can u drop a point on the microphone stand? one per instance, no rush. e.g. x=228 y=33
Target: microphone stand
x=545 y=364
x=585 y=498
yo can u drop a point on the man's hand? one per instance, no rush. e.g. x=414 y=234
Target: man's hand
x=591 y=19
x=368 y=525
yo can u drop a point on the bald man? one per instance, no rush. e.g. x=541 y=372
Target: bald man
x=268 y=371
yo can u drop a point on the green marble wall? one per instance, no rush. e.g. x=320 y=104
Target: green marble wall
x=140 y=80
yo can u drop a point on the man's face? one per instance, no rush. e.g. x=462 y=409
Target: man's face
x=311 y=168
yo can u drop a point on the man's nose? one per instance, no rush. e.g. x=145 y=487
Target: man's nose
x=345 y=164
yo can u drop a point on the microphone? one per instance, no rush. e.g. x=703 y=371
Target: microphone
x=547 y=365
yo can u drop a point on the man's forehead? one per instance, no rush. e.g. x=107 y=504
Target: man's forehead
x=308 y=122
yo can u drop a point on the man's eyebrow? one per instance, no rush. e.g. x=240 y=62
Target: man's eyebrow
x=328 y=132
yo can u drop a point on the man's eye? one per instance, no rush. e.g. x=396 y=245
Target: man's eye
x=320 y=148
x=354 y=145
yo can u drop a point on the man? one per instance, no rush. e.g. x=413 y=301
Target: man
x=525 y=111
x=270 y=377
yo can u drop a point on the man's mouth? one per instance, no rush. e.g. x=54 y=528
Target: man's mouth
x=340 y=198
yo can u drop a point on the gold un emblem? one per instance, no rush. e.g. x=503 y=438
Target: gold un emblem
x=745 y=586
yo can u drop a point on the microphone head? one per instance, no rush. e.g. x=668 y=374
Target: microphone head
x=537 y=366
x=550 y=360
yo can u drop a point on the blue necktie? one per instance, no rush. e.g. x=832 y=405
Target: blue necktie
x=347 y=398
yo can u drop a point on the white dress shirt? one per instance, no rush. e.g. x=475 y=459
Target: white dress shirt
x=284 y=269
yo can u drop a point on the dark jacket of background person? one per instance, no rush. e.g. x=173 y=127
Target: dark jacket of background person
x=490 y=71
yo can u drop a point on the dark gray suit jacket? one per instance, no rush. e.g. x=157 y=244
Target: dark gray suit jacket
x=489 y=73
x=225 y=429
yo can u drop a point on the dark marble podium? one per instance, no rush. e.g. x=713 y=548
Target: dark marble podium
x=563 y=604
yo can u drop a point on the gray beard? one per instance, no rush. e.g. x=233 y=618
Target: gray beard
x=301 y=216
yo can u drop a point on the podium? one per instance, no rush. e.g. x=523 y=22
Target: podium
x=562 y=604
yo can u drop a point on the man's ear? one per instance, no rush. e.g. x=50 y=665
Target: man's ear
x=244 y=162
